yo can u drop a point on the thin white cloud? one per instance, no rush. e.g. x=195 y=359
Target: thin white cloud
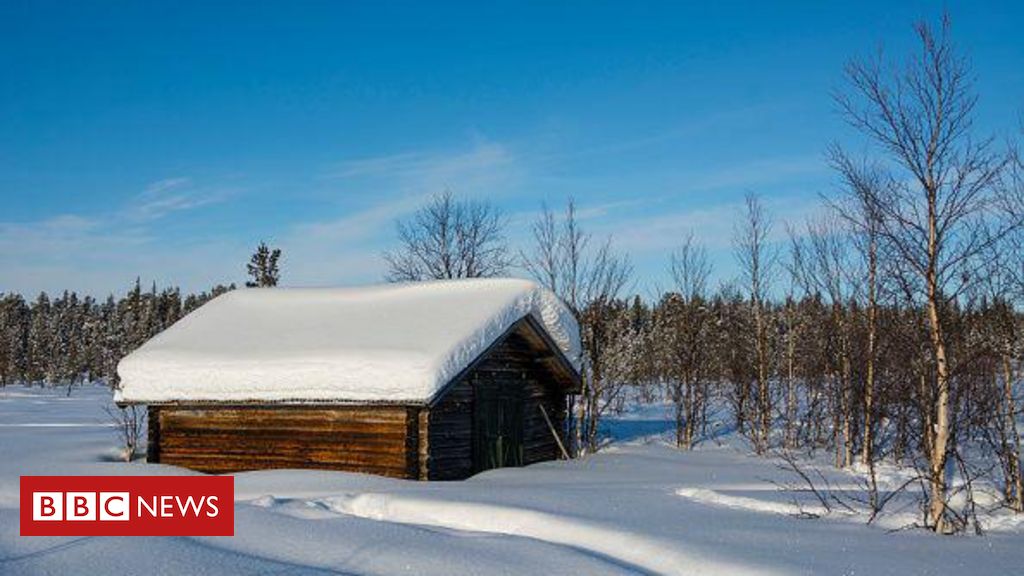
x=427 y=168
x=61 y=238
x=757 y=173
x=165 y=197
x=657 y=220
x=712 y=226
x=374 y=166
x=342 y=250
x=348 y=248
x=158 y=188
x=92 y=256
x=105 y=252
x=692 y=131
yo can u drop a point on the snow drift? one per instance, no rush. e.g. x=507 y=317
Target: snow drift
x=394 y=343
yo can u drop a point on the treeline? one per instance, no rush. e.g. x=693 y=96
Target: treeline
x=68 y=339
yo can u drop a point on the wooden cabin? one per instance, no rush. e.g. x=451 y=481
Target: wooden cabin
x=431 y=381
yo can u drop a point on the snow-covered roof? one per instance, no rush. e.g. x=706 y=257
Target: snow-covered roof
x=390 y=343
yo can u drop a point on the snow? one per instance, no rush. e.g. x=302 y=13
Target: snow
x=393 y=343
x=716 y=498
x=637 y=507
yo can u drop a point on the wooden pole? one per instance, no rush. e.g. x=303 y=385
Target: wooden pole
x=553 y=431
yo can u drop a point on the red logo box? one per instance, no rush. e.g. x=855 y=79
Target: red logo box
x=127 y=506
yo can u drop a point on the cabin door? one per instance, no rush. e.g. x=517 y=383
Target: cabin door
x=497 y=426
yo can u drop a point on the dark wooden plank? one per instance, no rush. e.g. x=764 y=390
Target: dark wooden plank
x=153 y=441
x=321 y=456
x=365 y=435
x=285 y=419
x=172 y=443
x=226 y=466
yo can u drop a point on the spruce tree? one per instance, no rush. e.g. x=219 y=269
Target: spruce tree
x=13 y=338
x=39 y=339
x=262 y=268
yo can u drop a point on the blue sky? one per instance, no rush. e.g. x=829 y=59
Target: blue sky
x=166 y=140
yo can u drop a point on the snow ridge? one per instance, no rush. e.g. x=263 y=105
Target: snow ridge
x=646 y=552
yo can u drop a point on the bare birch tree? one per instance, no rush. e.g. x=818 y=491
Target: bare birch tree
x=758 y=261
x=1004 y=280
x=920 y=117
x=685 y=331
x=1002 y=335
x=450 y=238
x=823 y=261
x=589 y=280
x=794 y=327
x=862 y=183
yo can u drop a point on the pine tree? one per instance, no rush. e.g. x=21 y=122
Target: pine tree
x=262 y=267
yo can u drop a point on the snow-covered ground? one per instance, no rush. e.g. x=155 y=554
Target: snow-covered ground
x=636 y=507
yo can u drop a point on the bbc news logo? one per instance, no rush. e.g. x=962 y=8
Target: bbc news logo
x=80 y=506
x=127 y=506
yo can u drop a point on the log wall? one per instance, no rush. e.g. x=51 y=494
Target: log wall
x=373 y=439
